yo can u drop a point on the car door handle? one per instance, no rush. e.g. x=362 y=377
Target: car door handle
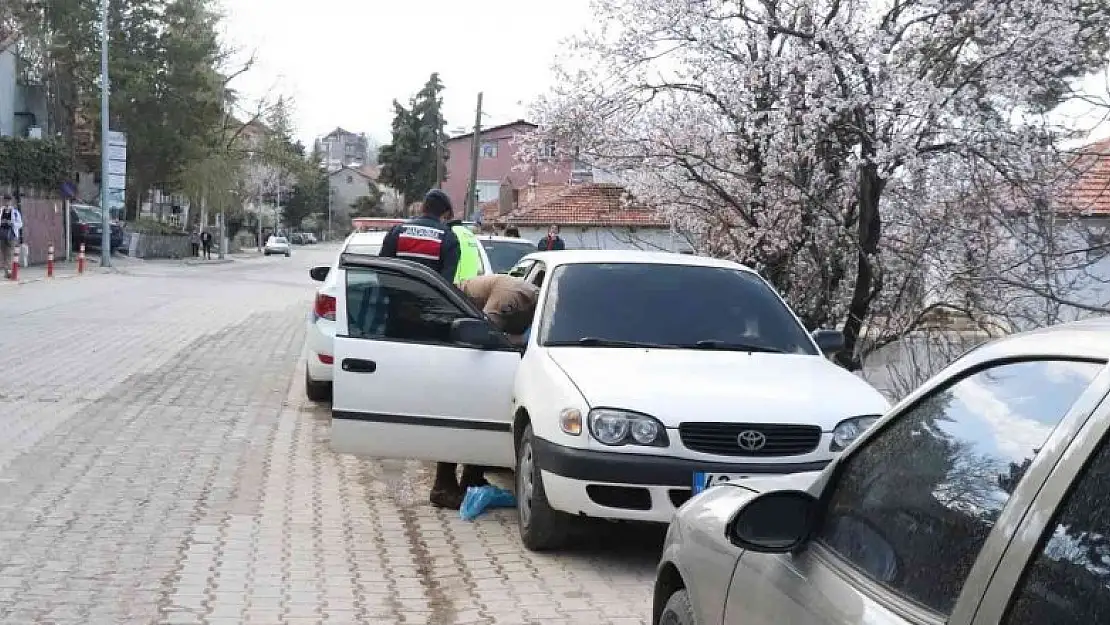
x=358 y=365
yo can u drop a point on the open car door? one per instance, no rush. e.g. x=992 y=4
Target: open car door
x=420 y=372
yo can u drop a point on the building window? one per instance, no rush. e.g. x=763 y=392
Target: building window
x=488 y=190
x=489 y=149
x=547 y=149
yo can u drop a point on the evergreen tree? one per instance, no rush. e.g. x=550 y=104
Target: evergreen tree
x=409 y=161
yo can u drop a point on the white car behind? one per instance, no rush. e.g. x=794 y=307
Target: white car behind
x=320 y=337
x=647 y=377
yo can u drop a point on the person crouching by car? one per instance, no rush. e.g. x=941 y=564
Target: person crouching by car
x=510 y=303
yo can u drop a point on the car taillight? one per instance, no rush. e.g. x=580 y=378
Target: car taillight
x=325 y=306
x=84 y=228
x=326 y=358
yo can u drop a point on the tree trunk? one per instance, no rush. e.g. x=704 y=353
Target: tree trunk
x=866 y=286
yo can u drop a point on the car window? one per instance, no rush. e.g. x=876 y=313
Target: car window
x=504 y=254
x=386 y=305
x=913 y=507
x=1068 y=581
x=666 y=304
x=521 y=270
x=281 y=240
x=85 y=214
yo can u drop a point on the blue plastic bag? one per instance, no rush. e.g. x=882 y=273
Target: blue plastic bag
x=480 y=498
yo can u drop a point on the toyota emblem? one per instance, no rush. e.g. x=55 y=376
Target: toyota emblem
x=751 y=440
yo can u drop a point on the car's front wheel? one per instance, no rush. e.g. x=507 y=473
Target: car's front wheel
x=542 y=528
x=678 y=610
x=316 y=390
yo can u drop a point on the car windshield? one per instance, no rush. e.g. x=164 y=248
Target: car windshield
x=504 y=254
x=670 y=306
x=369 y=249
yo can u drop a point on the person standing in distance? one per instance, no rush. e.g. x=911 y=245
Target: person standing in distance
x=552 y=241
x=428 y=240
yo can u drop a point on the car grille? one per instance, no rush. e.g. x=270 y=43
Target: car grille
x=724 y=438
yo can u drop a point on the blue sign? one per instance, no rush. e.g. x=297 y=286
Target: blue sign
x=69 y=190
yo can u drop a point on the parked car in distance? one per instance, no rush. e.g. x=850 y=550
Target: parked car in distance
x=647 y=377
x=979 y=498
x=505 y=252
x=278 y=245
x=297 y=238
x=86 y=226
x=309 y=238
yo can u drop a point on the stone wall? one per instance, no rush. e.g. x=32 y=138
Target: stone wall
x=162 y=246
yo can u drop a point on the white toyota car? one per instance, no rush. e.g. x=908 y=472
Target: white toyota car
x=320 y=336
x=647 y=377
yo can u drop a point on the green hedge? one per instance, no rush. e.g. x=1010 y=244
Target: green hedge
x=32 y=163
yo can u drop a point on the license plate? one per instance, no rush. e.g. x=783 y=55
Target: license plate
x=703 y=480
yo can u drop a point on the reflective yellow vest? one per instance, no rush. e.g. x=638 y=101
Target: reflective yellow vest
x=470 y=257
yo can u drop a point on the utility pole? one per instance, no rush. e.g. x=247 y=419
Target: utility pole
x=472 y=188
x=328 y=236
x=105 y=225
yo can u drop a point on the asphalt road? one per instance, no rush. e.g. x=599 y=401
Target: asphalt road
x=159 y=464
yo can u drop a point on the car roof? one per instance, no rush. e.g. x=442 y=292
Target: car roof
x=366 y=237
x=491 y=237
x=577 y=257
x=1089 y=338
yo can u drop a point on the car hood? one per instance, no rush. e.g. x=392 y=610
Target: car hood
x=677 y=385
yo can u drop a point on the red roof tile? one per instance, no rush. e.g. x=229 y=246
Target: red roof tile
x=590 y=204
x=1090 y=193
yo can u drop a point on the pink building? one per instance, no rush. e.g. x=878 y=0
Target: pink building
x=496 y=162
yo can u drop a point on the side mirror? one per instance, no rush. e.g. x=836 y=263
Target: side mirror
x=829 y=341
x=775 y=522
x=476 y=332
x=319 y=273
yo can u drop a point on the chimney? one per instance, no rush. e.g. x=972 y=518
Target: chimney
x=505 y=203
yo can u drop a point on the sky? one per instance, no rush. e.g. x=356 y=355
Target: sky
x=343 y=62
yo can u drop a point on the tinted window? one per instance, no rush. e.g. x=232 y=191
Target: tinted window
x=504 y=254
x=1068 y=581
x=668 y=304
x=383 y=305
x=87 y=215
x=913 y=507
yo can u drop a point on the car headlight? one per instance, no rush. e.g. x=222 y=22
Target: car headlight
x=849 y=430
x=620 y=427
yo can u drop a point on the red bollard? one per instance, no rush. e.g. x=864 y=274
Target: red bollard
x=50 y=261
x=81 y=259
x=15 y=263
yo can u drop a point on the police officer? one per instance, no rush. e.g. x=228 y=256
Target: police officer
x=428 y=240
x=470 y=258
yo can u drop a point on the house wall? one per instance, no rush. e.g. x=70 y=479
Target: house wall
x=345 y=193
x=610 y=238
x=7 y=92
x=493 y=170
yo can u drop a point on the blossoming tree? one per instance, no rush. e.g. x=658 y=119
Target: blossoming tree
x=867 y=157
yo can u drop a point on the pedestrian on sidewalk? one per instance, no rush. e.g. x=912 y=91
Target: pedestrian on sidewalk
x=11 y=233
x=206 y=243
x=194 y=241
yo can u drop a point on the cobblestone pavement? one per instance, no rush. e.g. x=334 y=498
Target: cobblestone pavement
x=158 y=464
